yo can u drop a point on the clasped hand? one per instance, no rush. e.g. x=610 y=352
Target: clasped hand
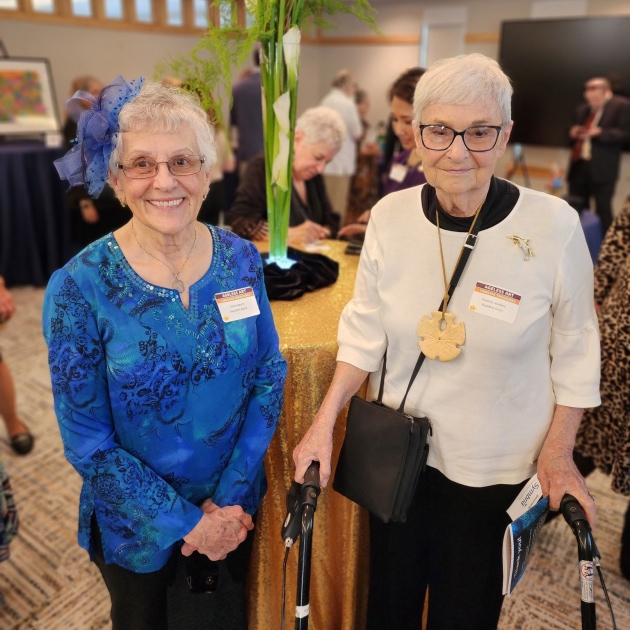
x=219 y=531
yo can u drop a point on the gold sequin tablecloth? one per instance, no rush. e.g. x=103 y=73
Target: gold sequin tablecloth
x=340 y=554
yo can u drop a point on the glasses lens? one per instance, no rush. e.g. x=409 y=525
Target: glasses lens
x=140 y=168
x=184 y=165
x=480 y=138
x=437 y=137
x=440 y=138
x=143 y=168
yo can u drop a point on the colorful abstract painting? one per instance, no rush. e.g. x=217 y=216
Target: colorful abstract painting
x=27 y=101
x=20 y=94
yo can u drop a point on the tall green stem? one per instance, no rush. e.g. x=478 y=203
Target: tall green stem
x=279 y=85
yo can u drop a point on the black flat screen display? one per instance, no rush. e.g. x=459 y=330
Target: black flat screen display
x=549 y=61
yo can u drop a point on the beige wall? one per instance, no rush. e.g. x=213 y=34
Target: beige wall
x=107 y=53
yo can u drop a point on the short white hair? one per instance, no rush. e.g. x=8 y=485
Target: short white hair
x=322 y=124
x=162 y=108
x=463 y=80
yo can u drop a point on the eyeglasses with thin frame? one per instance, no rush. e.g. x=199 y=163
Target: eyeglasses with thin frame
x=143 y=168
x=477 y=139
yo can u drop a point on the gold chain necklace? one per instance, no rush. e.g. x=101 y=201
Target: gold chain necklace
x=440 y=336
x=177 y=283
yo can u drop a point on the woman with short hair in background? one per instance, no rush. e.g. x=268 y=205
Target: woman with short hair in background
x=319 y=134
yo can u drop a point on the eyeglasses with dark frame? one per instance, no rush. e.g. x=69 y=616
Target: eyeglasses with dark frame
x=476 y=139
x=143 y=168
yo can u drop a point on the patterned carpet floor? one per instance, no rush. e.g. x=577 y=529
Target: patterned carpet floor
x=49 y=583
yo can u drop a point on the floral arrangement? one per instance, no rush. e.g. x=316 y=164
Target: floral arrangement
x=277 y=26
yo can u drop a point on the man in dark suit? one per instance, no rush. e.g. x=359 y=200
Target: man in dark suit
x=601 y=126
x=246 y=114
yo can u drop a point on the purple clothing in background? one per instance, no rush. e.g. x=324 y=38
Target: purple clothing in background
x=413 y=177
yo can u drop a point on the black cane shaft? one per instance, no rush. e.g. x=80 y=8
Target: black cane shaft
x=589 y=621
x=304 y=569
x=576 y=518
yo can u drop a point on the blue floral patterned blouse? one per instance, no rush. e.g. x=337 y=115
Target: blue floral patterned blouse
x=160 y=407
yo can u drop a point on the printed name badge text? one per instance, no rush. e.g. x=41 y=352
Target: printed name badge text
x=398 y=172
x=493 y=301
x=237 y=304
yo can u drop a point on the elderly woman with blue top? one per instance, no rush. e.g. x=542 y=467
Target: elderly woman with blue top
x=165 y=366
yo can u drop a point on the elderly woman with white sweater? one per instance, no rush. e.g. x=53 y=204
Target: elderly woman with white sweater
x=526 y=365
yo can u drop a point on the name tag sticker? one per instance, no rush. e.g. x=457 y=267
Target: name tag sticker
x=237 y=304
x=398 y=172
x=493 y=301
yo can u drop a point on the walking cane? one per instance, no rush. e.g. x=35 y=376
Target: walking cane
x=588 y=556
x=301 y=506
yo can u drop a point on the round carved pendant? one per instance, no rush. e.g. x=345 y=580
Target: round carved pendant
x=179 y=285
x=441 y=336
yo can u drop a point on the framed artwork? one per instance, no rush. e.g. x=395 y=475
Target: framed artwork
x=27 y=97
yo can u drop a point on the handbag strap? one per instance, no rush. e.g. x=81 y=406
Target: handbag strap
x=469 y=245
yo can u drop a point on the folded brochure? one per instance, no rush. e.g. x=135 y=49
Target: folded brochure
x=528 y=513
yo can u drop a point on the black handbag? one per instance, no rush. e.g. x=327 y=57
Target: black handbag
x=382 y=456
x=385 y=451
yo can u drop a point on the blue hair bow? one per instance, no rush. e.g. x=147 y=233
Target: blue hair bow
x=87 y=162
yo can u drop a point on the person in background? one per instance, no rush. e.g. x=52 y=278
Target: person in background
x=600 y=128
x=364 y=183
x=405 y=168
x=509 y=403
x=84 y=83
x=338 y=172
x=20 y=438
x=89 y=218
x=319 y=134
x=214 y=206
x=362 y=101
x=9 y=520
x=603 y=440
x=246 y=118
x=391 y=145
x=166 y=401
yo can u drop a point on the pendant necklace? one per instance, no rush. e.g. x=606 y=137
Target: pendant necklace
x=441 y=337
x=178 y=285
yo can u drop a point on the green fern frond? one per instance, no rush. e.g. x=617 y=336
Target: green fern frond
x=207 y=69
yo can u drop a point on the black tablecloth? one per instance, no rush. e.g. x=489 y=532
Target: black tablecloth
x=34 y=221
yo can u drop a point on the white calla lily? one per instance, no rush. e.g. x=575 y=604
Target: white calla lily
x=279 y=171
x=291 y=46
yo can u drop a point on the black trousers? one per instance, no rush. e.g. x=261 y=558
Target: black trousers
x=452 y=544
x=161 y=600
x=581 y=185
